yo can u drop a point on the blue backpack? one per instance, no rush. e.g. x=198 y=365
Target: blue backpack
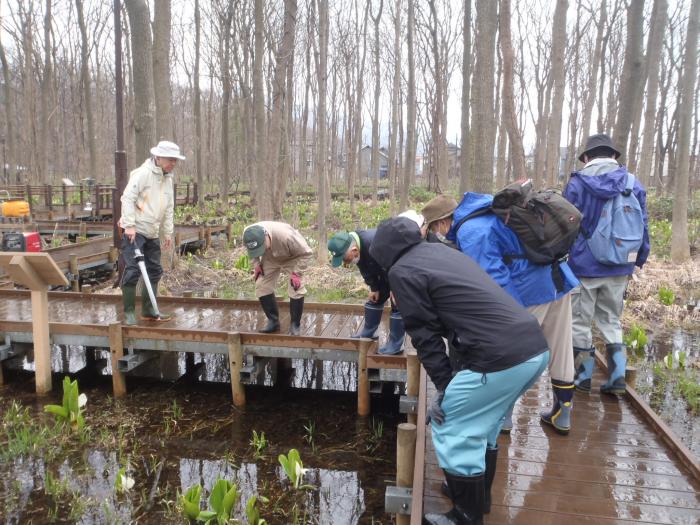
x=619 y=233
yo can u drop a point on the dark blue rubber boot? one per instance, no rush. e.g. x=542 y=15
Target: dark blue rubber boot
x=560 y=414
x=397 y=333
x=373 y=316
x=584 y=363
x=617 y=364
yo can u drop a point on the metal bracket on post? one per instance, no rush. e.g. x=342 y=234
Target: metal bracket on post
x=397 y=500
x=408 y=405
x=6 y=351
x=134 y=360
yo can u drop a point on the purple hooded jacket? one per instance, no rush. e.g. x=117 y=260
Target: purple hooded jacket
x=588 y=190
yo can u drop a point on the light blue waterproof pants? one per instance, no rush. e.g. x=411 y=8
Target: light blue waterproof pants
x=474 y=406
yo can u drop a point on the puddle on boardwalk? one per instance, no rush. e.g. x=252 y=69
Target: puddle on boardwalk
x=662 y=394
x=174 y=435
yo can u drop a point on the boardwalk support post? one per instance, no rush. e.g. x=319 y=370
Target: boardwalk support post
x=116 y=350
x=412 y=382
x=75 y=273
x=397 y=500
x=235 y=360
x=363 y=400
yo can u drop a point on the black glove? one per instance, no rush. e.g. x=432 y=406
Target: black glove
x=435 y=412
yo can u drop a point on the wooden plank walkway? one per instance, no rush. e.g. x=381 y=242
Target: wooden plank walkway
x=613 y=468
x=198 y=325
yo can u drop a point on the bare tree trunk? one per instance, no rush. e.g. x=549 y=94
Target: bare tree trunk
x=226 y=102
x=357 y=116
x=631 y=86
x=395 y=95
x=653 y=59
x=9 y=157
x=321 y=145
x=198 y=103
x=593 y=77
x=410 y=162
x=554 y=128
x=483 y=127
x=303 y=154
x=161 y=70
x=374 y=170
x=277 y=189
x=43 y=149
x=508 y=101
x=466 y=88
x=144 y=125
x=680 y=248
x=264 y=201
x=87 y=88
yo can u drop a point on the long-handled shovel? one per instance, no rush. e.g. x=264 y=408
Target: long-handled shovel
x=146 y=281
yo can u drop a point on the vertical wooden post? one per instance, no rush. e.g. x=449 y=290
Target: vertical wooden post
x=82 y=196
x=207 y=238
x=75 y=272
x=96 y=201
x=116 y=351
x=405 y=454
x=174 y=195
x=235 y=361
x=82 y=230
x=412 y=380
x=363 y=401
x=229 y=232
x=42 y=346
x=48 y=196
x=195 y=194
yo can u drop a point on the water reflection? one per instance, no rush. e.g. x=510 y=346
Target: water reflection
x=337 y=497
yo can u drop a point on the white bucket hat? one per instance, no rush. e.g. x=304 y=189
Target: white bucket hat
x=166 y=149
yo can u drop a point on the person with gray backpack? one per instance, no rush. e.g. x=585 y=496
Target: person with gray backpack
x=613 y=239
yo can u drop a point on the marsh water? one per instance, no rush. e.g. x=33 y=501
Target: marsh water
x=661 y=393
x=169 y=436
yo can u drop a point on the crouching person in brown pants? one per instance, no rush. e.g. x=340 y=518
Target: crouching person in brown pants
x=273 y=247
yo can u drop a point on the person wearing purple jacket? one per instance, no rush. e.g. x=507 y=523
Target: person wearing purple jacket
x=599 y=298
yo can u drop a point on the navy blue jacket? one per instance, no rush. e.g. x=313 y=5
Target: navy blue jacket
x=372 y=273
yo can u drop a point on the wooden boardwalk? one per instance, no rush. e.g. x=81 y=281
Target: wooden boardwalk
x=613 y=468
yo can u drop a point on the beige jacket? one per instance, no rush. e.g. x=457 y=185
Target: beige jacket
x=286 y=245
x=148 y=201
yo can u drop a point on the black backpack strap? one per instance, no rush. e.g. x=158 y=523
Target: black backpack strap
x=477 y=213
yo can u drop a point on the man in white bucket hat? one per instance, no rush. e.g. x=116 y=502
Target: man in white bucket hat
x=147 y=214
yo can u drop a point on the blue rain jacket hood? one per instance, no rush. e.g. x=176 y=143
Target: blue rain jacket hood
x=486 y=239
x=589 y=190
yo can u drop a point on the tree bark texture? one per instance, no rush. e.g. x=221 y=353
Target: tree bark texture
x=558 y=78
x=161 y=70
x=142 y=68
x=680 y=249
x=466 y=89
x=410 y=161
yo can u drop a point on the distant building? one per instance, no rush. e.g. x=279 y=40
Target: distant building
x=366 y=163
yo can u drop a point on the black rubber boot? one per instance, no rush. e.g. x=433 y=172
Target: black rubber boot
x=296 y=308
x=491 y=457
x=468 y=498
x=490 y=460
x=269 y=306
x=148 y=313
x=129 y=298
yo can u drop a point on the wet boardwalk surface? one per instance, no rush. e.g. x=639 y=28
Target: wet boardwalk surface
x=611 y=469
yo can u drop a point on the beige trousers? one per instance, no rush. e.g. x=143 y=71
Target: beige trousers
x=266 y=284
x=555 y=321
